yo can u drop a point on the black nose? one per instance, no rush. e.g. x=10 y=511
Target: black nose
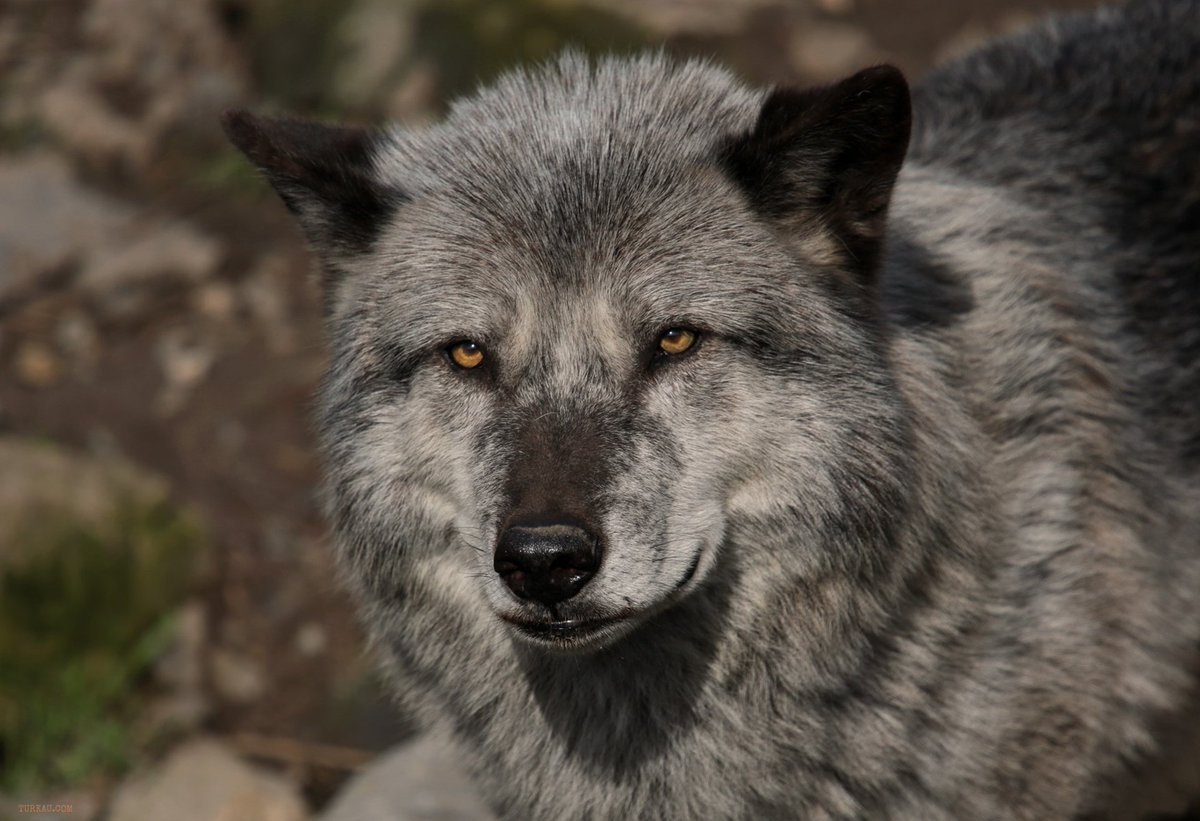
x=548 y=561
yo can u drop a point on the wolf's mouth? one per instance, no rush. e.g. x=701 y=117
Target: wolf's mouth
x=691 y=571
x=567 y=632
x=582 y=632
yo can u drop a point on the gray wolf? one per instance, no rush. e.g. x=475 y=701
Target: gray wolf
x=704 y=451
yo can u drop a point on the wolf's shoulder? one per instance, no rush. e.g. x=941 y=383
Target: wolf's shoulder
x=1114 y=75
x=1092 y=122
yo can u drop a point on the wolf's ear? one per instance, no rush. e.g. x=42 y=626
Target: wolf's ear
x=324 y=173
x=829 y=154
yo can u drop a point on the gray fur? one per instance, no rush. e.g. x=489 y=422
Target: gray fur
x=916 y=541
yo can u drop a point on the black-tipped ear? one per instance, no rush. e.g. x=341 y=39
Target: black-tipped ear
x=324 y=173
x=829 y=155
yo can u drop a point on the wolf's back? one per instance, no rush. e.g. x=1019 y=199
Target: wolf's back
x=1065 y=98
x=1095 y=118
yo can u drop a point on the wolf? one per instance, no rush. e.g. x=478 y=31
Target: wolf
x=697 y=450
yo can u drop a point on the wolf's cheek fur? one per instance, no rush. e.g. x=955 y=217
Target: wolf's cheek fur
x=410 y=461
x=667 y=506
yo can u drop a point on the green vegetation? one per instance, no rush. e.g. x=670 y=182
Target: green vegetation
x=225 y=171
x=472 y=41
x=295 y=49
x=84 y=612
x=298 y=48
x=20 y=135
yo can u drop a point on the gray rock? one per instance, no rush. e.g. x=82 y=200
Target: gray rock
x=136 y=70
x=185 y=360
x=236 y=677
x=265 y=294
x=77 y=337
x=181 y=667
x=423 y=780
x=204 y=781
x=51 y=226
x=311 y=639
x=180 y=671
x=48 y=220
x=120 y=277
x=42 y=481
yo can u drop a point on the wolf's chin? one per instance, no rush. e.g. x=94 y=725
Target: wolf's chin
x=586 y=633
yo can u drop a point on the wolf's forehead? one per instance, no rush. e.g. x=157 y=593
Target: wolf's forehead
x=597 y=296
x=622 y=258
x=574 y=188
x=558 y=331
x=634 y=250
x=532 y=303
x=617 y=116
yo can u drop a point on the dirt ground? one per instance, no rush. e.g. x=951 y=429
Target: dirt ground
x=204 y=374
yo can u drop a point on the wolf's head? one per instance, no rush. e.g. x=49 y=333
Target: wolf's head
x=604 y=334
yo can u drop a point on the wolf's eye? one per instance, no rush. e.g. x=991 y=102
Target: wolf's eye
x=676 y=340
x=466 y=355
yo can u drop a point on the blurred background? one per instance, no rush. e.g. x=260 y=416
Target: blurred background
x=169 y=617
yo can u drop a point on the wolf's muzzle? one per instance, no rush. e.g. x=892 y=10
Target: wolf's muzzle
x=547 y=561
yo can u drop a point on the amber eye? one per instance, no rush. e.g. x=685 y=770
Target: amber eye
x=466 y=355
x=676 y=340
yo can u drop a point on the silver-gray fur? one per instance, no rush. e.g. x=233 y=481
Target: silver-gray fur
x=913 y=531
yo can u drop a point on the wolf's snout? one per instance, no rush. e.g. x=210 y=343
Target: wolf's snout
x=547 y=562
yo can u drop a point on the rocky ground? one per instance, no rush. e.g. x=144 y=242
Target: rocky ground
x=160 y=339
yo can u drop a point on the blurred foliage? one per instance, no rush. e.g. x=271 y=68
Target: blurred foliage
x=299 y=48
x=20 y=135
x=294 y=49
x=84 y=612
x=225 y=171
x=298 y=51
x=472 y=41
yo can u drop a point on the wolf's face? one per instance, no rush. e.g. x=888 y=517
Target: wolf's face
x=594 y=332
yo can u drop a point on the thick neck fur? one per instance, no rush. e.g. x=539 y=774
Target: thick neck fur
x=827 y=674
x=1005 y=645
x=914 y=687
x=942 y=544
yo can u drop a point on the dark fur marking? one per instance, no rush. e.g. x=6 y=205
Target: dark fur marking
x=831 y=153
x=560 y=466
x=682 y=640
x=916 y=290
x=322 y=172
